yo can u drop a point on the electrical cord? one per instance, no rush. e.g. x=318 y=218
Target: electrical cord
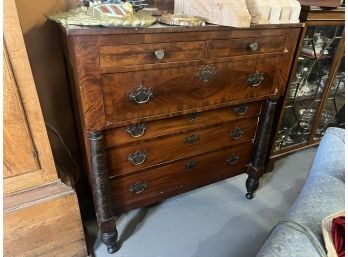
x=66 y=149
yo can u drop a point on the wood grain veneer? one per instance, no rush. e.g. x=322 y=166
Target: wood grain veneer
x=128 y=55
x=234 y=47
x=162 y=150
x=189 y=122
x=175 y=178
x=179 y=89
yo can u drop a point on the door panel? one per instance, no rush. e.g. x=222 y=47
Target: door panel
x=19 y=150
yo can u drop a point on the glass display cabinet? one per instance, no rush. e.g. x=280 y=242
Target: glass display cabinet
x=316 y=87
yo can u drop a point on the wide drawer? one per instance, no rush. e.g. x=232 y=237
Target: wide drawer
x=145 y=154
x=129 y=55
x=246 y=46
x=155 y=184
x=152 y=129
x=133 y=95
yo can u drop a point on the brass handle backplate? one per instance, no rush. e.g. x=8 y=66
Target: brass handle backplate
x=189 y=165
x=136 y=130
x=236 y=133
x=141 y=95
x=240 y=109
x=138 y=187
x=160 y=54
x=232 y=159
x=255 y=79
x=206 y=72
x=190 y=140
x=253 y=47
x=137 y=158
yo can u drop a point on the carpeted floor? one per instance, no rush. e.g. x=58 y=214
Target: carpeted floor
x=214 y=221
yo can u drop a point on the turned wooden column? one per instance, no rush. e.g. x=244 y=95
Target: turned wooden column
x=100 y=188
x=262 y=140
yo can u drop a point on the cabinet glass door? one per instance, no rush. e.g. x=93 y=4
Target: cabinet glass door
x=307 y=85
x=333 y=103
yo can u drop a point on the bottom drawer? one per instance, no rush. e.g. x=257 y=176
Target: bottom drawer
x=152 y=185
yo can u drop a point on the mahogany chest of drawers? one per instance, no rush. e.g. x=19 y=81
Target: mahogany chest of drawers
x=164 y=110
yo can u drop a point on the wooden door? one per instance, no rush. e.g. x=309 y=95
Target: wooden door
x=28 y=159
x=19 y=151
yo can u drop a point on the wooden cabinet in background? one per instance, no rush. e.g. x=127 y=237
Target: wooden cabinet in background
x=315 y=91
x=41 y=214
x=321 y=3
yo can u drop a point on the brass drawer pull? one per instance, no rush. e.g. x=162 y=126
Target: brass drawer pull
x=189 y=165
x=192 y=139
x=137 y=158
x=160 y=54
x=240 y=109
x=138 y=187
x=232 y=159
x=141 y=95
x=255 y=79
x=136 y=130
x=193 y=116
x=236 y=133
x=205 y=73
x=253 y=47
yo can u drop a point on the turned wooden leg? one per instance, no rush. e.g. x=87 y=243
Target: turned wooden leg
x=252 y=183
x=100 y=188
x=262 y=140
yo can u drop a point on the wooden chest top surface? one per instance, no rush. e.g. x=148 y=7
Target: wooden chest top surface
x=161 y=28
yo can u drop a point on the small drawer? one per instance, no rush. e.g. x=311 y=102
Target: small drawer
x=152 y=129
x=247 y=46
x=142 y=155
x=113 y=57
x=155 y=184
x=133 y=95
